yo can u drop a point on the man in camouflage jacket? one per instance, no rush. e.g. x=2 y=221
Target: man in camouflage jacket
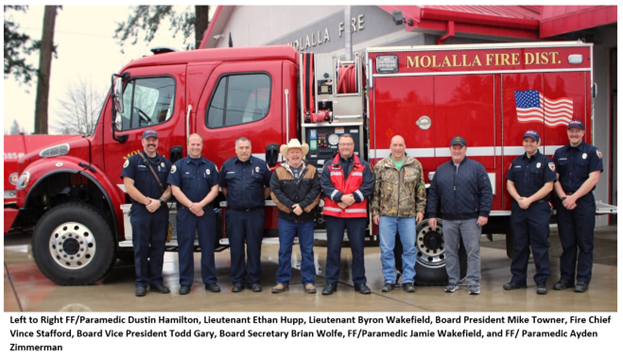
x=398 y=204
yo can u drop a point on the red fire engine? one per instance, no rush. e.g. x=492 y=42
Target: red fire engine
x=74 y=195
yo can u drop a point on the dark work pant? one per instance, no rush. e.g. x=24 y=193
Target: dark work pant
x=530 y=229
x=149 y=236
x=356 y=231
x=576 y=229
x=187 y=224
x=245 y=226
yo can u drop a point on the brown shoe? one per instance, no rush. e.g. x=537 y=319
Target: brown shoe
x=279 y=288
x=309 y=288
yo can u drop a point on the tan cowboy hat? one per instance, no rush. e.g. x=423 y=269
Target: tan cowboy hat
x=294 y=143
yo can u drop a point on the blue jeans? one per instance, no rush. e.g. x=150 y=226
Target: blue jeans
x=469 y=231
x=388 y=226
x=287 y=230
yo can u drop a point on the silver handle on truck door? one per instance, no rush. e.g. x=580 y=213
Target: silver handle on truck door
x=287 y=99
x=190 y=107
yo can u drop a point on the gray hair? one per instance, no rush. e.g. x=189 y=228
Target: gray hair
x=244 y=139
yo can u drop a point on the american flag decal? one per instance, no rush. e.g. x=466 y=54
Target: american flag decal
x=532 y=106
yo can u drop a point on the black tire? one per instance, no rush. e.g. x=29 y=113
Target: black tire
x=430 y=265
x=73 y=244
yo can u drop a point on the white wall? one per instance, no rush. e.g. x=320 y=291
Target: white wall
x=605 y=41
x=265 y=23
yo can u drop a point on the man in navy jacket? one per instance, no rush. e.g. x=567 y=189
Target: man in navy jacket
x=461 y=192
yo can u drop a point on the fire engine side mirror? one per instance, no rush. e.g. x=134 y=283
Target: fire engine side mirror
x=272 y=154
x=176 y=153
x=118 y=92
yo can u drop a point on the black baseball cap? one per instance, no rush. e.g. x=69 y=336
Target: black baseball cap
x=458 y=140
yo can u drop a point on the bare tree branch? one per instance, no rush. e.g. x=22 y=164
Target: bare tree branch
x=147 y=19
x=80 y=108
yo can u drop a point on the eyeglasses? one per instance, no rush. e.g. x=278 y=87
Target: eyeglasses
x=346 y=144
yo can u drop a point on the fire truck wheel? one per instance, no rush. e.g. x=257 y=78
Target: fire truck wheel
x=430 y=266
x=73 y=245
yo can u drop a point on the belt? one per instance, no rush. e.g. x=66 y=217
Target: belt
x=182 y=207
x=569 y=192
x=246 y=209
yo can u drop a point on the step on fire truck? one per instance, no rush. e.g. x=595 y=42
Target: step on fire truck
x=73 y=194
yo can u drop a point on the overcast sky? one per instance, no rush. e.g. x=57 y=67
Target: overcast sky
x=85 y=48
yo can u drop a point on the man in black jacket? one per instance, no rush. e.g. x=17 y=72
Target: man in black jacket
x=461 y=191
x=295 y=188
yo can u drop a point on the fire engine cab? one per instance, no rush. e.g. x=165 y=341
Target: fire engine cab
x=489 y=94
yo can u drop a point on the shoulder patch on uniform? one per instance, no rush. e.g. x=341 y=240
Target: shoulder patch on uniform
x=173 y=169
x=552 y=166
x=127 y=162
x=599 y=155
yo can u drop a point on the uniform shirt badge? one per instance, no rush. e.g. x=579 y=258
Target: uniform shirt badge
x=584 y=156
x=257 y=169
x=208 y=171
x=538 y=165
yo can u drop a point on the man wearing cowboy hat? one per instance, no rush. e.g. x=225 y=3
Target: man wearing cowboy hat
x=295 y=188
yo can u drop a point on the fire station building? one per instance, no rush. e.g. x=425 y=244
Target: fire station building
x=342 y=30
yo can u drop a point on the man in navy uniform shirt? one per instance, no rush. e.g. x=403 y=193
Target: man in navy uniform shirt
x=150 y=214
x=194 y=182
x=530 y=180
x=579 y=166
x=245 y=182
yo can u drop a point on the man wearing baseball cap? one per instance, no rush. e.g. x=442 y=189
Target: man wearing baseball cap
x=461 y=190
x=529 y=180
x=145 y=178
x=578 y=165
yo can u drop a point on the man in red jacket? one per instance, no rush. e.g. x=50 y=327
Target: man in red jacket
x=347 y=182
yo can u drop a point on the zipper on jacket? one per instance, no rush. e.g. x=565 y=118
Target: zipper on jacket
x=456 y=174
